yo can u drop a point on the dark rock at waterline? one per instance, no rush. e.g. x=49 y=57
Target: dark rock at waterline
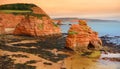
x=111 y=46
x=111 y=59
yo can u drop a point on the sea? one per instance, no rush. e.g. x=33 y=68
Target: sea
x=110 y=28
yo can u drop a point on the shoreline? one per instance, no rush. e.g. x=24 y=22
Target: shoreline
x=40 y=53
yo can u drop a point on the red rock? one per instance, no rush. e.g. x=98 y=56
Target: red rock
x=2 y=27
x=35 y=27
x=59 y=22
x=34 y=23
x=38 y=10
x=82 y=36
x=10 y=20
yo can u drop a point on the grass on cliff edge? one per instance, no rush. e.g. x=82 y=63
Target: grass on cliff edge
x=23 y=12
x=72 y=32
x=20 y=9
x=16 y=11
x=17 y=6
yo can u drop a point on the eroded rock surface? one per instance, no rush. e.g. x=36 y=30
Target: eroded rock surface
x=37 y=27
x=2 y=27
x=81 y=37
x=10 y=20
x=27 y=19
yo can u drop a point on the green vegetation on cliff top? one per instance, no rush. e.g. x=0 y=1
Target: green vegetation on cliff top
x=20 y=8
x=16 y=11
x=17 y=6
x=72 y=32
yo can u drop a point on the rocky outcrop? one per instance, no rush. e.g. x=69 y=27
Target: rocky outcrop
x=27 y=19
x=37 y=27
x=10 y=20
x=82 y=38
x=12 y=14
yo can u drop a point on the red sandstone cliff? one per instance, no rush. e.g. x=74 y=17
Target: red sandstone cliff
x=2 y=27
x=10 y=20
x=81 y=37
x=27 y=19
x=35 y=27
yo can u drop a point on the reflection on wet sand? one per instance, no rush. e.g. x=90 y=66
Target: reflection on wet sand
x=79 y=62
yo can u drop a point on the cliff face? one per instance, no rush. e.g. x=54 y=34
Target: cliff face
x=10 y=20
x=83 y=38
x=2 y=28
x=27 y=19
x=11 y=14
x=35 y=27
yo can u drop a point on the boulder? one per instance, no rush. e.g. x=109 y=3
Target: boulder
x=34 y=26
x=82 y=38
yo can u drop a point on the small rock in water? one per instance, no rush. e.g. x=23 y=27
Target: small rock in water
x=111 y=59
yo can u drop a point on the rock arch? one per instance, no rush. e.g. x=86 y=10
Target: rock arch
x=90 y=46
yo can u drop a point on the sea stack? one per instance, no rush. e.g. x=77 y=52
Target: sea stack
x=82 y=38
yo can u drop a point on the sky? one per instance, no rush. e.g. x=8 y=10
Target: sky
x=76 y=8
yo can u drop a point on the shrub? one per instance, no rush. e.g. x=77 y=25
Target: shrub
x=56 y=25
x=17 y=6
x=40 y=26
x=72 y=32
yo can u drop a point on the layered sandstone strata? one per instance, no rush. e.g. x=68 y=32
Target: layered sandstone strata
x=27 y=19
x=37 y=27
x=82 y=37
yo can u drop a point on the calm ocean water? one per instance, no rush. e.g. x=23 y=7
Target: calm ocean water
x=102 y=27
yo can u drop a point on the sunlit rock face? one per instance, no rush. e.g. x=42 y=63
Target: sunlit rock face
x=2 y=27
x=37 y=27
x=27 y=19
x=10 y=20
x=81 y=37
x=12 y=14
